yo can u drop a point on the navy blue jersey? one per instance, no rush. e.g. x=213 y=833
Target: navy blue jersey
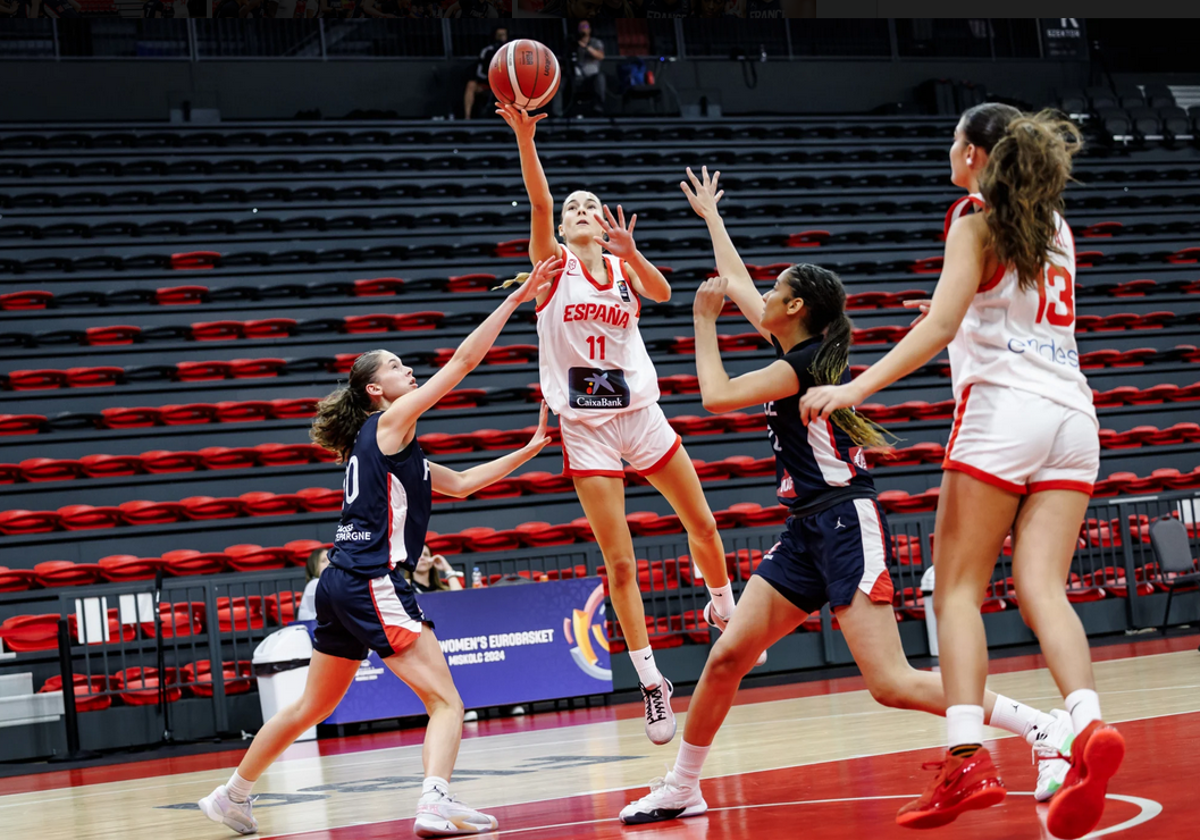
x=816 y=466
x=385 y=507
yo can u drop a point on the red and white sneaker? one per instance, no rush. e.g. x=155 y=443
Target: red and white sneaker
x=711 y=616
x=1096 y=756
x=964 y=784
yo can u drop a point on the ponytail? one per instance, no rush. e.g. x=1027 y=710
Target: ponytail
x=341 y=415
x=1022 y=185
x=513 y=281
x=825 y=307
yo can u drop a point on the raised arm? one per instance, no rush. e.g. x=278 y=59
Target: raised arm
x=717 y=390
x=459 y=485
x=542 y=244
x=956 y=288
x=400 y=417
x=703 y=196
x=647 y=280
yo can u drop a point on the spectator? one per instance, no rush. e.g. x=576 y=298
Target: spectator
x=573 y=9
x=617 y=9
x=479 y=84
x=589 y=64
x=426 y=579
x=317 y=561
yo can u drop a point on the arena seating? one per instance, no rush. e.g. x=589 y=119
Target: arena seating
x=168 y=328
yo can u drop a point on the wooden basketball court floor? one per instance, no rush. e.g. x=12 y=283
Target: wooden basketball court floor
x=816 y=758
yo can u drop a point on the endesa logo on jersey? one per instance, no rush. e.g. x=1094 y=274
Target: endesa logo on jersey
x=614 y=314
x=600 y=389
x=1046 y=349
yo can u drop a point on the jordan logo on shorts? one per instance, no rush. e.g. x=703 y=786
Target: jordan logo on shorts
x=839 y=524
x=603 y=389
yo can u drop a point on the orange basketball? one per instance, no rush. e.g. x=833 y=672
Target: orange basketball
x=524 y=74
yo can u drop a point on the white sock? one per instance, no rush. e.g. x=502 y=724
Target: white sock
x=964 y=725
x=647 y=671
x=238 y=788
x=689 y=763
x=1084 y=706
x=722 y=600
x=1018 y=718
x=435 y=785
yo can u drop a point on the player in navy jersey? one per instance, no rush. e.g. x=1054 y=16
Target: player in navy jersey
x=363 y=600
x=835 y=548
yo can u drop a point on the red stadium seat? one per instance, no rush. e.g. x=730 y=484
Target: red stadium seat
x=502 y=489
x=117 y=632
x=462 y=398
x=13 y=522
x=36 y=380
x=21 y=424
x=320 y=499
x=269 y=328
x=54 y=573
x=25 y=300
x=50 y=469
x=411 y=321
x=180 y=295
x=123 y=567
x=281 y=608
x=376 y=323
x=289 y=454
x=378 y=287
x=188 y=414
x=256 y=368
x=438 y=443
x=185 y=562
x=202 y=371
x=105 y=336
x=752 y=515
x=86 y=689
x=26 y=633
x=240 y=613
x=647 y=524
x=260 y=503
x=254 y=558
x=746 y=466
x=139 y=686
x=295 y=408
x=224 y=458
x=217 y=330
x=207 y=507
x=164 y=461
x=299 y=550
x=539 y=534
x=17 y=580
x=176 y=620
x=87 y=517
x=244 y=411
x=110 y=466
x=237 y=677
x=444 y=543
x=93 y=377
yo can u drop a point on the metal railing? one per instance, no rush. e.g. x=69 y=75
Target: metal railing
x=151 y=643
x=319 y=39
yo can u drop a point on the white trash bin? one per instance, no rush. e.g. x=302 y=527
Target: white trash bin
x=281 y=666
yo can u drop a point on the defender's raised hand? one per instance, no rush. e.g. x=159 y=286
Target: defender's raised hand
x=704 y=193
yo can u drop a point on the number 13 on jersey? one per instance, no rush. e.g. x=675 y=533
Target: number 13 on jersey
x=1056 y=297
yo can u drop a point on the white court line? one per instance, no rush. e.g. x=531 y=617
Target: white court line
x=1149 y=810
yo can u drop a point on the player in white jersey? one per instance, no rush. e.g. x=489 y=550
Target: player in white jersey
x=1022 y=456
x=598 y=378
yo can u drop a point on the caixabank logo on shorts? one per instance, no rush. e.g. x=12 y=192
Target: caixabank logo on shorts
x=598 y=389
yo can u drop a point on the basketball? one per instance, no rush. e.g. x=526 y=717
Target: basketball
x=524 y=74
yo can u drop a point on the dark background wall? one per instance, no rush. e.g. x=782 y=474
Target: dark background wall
x=252 y=89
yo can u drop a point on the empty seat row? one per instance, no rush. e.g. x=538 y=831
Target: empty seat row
x=192 y=295
x=407 y=138
x=122 y=568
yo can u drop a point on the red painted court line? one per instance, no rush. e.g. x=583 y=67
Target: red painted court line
x=543 y=720
x=859 y=797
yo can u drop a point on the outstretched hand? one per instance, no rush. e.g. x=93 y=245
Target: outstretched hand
x=822 y=401
x=542 y=436
x=519 y=120
x=620 y=238
x=710 y=299
x=539 y=280
x=922 y=305
x=704 y=194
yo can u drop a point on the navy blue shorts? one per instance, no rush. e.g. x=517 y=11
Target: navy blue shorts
x=830 y=555
x=356 y=614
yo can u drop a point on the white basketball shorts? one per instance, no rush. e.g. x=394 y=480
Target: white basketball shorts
x=643 y=437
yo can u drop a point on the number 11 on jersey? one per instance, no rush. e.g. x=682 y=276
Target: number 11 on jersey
x=595 y=342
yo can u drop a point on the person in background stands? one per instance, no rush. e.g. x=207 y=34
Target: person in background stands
x=425 y=579
x=317 y=561
x=589 y=66
x=479 y=84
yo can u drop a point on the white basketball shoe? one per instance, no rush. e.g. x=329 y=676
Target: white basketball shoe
x=218 y=807
x=439 y=815
x=660 y=718
x=1052 y=754
x=666 y=800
